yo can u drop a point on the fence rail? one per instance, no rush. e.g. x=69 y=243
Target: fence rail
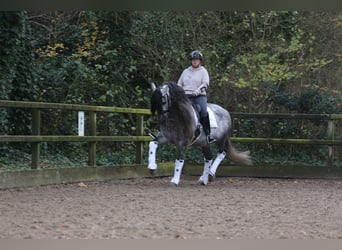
x=36 y=138
x=46 y=105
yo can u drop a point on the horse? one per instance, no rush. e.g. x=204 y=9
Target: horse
x=179 y=125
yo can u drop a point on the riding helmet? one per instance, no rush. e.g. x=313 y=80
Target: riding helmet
x=196 y=55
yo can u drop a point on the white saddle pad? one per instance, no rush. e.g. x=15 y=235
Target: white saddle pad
x=212 y=118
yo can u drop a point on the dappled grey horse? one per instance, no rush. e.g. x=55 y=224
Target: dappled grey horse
x=179 y=125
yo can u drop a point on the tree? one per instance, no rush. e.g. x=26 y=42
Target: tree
x=17 y=77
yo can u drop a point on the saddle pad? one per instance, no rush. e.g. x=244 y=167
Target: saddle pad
x=212 y=118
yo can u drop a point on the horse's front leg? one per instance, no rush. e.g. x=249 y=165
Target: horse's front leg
x=179 y=163
x=177 y=172
x=152 y=150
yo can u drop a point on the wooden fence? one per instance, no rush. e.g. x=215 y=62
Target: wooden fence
x=329 y=140
x=36 y=138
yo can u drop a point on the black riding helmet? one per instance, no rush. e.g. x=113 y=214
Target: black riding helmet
x=196 y=55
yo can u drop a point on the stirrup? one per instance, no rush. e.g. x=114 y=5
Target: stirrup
x=196 y=135
x=210 y=139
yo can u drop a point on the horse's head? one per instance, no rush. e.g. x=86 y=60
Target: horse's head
x=155 y=101
x=175 y=113
x=160 y=99
x=169 y=98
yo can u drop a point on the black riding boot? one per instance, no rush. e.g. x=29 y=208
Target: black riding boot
x=206 y=127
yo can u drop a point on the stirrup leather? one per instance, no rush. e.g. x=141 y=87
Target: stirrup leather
x=196 y=135
x=210 y=139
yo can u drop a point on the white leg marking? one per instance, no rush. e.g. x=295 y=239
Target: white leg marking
x=177 y=172
x=152 y=155
x=216 y=163
x=205 y=175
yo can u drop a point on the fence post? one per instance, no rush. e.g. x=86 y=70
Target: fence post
x=139 y=144
x=36 y=117
x=331 y=136
x=92 y=145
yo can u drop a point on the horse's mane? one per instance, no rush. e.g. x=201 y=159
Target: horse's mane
x=180 y=108
x=177 y=95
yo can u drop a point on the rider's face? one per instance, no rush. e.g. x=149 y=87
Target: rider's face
x=195 y=63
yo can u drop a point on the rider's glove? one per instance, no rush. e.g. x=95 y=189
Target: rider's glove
x=196 y=92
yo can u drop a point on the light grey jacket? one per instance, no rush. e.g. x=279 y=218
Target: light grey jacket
x=193 y=79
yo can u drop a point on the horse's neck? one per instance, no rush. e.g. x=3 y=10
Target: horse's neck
x=189 y=115
x=178 y=119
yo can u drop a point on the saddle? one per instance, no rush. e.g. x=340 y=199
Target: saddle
x=197 y=109
x=212 y=120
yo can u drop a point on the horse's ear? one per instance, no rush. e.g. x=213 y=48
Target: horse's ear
x=154 y=102
x=153 y=86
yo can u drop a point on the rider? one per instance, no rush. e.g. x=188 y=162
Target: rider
x=195 y=80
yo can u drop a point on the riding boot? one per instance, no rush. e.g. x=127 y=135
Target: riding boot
x=206 y=127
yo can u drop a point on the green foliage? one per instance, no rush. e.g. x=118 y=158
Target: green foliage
x=17 y=76
x=311 y=101
x=278 y=61
x=20 y=160
x=317 y=102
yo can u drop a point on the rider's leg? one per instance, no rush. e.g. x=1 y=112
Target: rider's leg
x=202 y=101
x=206 y=127
x=204 y=120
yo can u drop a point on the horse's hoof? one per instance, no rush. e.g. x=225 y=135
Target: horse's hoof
x=201 y=183
x=152 y=171
x=172 y=184
x=212 y=177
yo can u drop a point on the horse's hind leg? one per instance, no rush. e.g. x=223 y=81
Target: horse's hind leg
x=216 y=163
x=204 y=178
x=219 y=158
x=207 y=163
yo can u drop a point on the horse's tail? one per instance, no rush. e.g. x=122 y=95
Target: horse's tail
x=241 y=158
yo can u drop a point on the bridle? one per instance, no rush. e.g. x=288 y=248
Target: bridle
x=165 y=97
